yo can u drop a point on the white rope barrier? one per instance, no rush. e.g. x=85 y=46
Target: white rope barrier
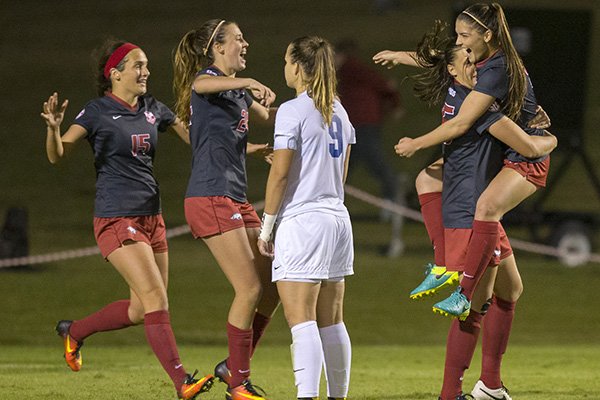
x=350 y=190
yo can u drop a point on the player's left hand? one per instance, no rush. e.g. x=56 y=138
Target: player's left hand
x=262 y=150
x=541 y=120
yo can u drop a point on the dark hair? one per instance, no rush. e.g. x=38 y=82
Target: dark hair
x=316 y=58
x=434 y=52
x=483 y=17
x=101 y=56
x=193 y=53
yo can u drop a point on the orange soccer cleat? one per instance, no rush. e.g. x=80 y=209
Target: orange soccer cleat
x=192 y=387
x=244 y=392
x=72 y=347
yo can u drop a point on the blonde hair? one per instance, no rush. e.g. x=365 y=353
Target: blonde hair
x=192 y=54
x=484 y=17
x=316 y=58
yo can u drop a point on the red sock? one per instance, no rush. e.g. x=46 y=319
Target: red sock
x=240 y=343
x=481 y=249
x=462 y=340
x=496 y=330
x=160 y=337
x=431 y=209
x=112 y=317
x=258 y=329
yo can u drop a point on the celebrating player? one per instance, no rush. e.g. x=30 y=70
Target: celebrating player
x=122 y=127
x=215 y=103
x=313 y=249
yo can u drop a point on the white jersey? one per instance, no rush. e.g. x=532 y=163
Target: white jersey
x=316 y=175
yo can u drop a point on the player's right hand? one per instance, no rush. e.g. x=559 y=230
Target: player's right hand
x=52 y=113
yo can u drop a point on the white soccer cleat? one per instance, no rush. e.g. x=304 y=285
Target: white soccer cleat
x=482 y=392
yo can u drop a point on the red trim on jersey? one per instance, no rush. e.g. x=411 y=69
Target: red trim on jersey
x=117 y=56
x=482 y=62
x=119 y=100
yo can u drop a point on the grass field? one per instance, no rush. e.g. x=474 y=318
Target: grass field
x=398 y=344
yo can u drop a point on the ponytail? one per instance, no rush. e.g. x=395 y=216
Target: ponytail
x=435 y=52
x=315 y=57
x=193 y=53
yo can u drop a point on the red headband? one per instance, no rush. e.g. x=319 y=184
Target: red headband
x=116 y=57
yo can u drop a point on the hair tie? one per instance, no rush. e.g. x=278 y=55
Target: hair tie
x=205 y=50
x=117 y=56
x=476 y=20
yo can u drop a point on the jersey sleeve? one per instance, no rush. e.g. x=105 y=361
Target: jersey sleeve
x=486 y=120
x=249 y=100
x=88 y=117
x=287 y=128
x=493 y=82
x=166 y=116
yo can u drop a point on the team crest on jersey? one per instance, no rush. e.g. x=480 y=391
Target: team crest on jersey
x=150 y=117
x=451 y=92
x=80 y=113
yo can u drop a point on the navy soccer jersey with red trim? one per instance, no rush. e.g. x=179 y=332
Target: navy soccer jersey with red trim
x=471 y=161
x=218 y=135
x=124 y=141
x=492 y=79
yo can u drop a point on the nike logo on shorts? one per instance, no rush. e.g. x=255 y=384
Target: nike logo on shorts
x=117 y=116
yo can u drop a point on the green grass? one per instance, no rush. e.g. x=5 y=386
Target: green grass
x=398 y=344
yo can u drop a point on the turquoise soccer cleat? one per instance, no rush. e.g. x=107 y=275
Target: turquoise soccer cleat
x=455 y=306
x=436 y=278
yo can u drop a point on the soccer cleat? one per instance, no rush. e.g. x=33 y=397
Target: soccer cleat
x=461 y=397
x=246 y=391
x=192 y=387
x=436 y=279
x=482 y=392
x=72 y=347
x=336 y=398
x=455 y=306
x=222 y=372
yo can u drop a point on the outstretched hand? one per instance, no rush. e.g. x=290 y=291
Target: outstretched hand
x=260 y=150
x=387 y=58
x=52 y=113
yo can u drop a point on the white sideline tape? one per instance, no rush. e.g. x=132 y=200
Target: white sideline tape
x=350 y=190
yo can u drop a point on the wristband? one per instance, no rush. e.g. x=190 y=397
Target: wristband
x=266 y=227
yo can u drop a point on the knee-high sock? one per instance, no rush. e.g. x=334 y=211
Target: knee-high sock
x=496 y=331
x=337 y=351
x=259 y=324
x=431 y=209
x=462 y=340
x=112 y=317
x=159 y=334
x=307 y=358
x=481 y=249
x=240 y=343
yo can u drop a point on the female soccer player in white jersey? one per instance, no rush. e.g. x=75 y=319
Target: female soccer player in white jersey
x=313 y=249
x=122 y=127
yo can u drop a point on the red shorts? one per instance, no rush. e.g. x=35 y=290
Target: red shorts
x=457 y=243
x=112 y=232
x=212 y=215
x=536 y=173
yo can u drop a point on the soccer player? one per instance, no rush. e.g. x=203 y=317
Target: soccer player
x=501 y=82
x=470 y=161
x=313 y=249
x=122 y=127
x=215 y=103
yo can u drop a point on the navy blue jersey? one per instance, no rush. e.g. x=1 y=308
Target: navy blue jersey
x=492 y=79
x=123 y=141
x=471 y=161
x=218 y=135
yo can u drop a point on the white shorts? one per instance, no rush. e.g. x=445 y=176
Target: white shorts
x=313 y=245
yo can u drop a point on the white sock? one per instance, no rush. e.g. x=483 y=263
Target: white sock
x=337 y=351
x=307 y=358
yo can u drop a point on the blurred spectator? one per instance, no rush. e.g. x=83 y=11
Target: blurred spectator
x=369 y=98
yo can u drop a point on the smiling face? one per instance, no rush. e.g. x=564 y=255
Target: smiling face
x=470 y=38
x=134 y=77
x=462 y=69
x=230 y=55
